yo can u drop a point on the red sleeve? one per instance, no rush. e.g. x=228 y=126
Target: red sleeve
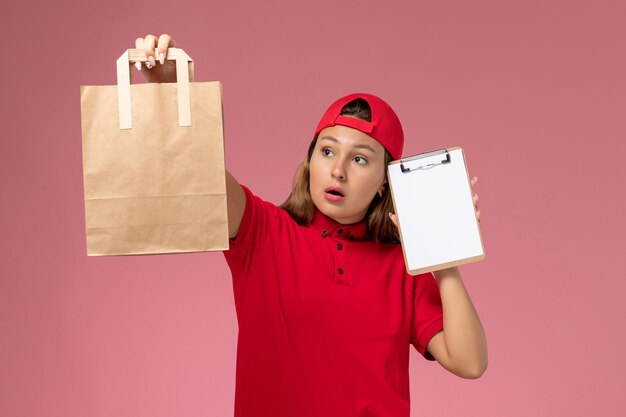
x=258 y=217
x=427 y=313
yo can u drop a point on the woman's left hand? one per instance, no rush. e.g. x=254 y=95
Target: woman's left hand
x=394 y=219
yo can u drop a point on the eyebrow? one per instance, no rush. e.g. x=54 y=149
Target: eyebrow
x=332 y=139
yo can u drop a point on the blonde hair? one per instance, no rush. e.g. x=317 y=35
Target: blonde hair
x=300 y=205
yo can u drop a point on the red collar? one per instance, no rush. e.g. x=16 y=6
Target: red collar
x=328 y=227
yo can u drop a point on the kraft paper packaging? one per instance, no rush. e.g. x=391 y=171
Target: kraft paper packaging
x=153 y=163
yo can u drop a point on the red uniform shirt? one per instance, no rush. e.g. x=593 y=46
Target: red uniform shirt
x=326 y=318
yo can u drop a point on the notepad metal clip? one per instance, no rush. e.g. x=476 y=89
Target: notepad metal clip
x=406 y=169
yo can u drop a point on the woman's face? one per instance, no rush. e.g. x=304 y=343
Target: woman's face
x=351 y=162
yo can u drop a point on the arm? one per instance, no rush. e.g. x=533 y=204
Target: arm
x=236 y=200
x=461 y=347
x=163 y=71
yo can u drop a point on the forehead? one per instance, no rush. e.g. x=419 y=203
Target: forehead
x=347 y=136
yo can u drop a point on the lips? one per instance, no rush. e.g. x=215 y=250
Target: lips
x=334 y=194
x=335 y=191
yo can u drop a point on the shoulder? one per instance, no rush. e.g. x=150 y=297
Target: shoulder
x=261 y=213
x=265 y=228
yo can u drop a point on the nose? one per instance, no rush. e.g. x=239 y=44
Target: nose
x=338 y=172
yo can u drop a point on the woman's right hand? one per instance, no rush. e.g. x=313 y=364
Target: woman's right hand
x=163 y=70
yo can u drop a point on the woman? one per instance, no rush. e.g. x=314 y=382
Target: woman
x=326 y=309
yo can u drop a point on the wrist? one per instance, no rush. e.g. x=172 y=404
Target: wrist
x=442 y=274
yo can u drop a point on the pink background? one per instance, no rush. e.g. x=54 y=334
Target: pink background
x=533 y=90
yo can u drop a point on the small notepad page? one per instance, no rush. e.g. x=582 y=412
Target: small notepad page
x=433 y=202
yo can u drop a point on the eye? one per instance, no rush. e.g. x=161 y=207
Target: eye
x=360 y=160
x=326 y=152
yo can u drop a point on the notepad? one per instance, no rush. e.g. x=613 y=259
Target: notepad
x=432 y=196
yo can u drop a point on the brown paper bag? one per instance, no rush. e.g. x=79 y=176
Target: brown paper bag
x=153 y=163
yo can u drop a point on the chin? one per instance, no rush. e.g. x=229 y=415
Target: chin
x=335 y=212
x=327 y=208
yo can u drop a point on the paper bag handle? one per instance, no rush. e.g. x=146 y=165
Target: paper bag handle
x=184 y=74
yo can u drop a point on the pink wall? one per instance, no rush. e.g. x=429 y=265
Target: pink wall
x=533 y=90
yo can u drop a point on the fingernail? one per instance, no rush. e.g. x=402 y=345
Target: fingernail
x=152 y=61
x=138 y=66
x=161 y=58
